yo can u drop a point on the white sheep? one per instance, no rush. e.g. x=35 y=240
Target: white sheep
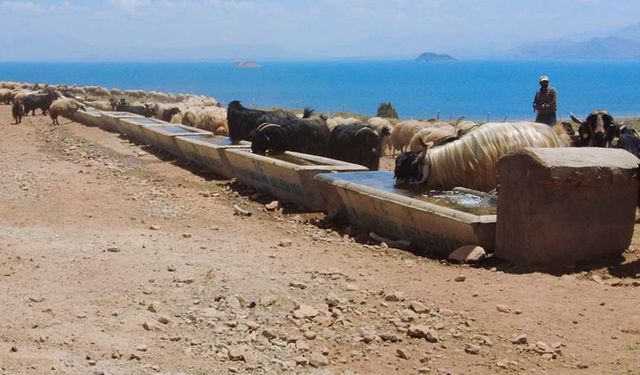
x=379 y=124
x=213 y=119
x=101 y=105
x=432 y=136
x=332 y=122
x=403 y=132
x=135 y=94
x=471 y=161
x=176 y=119
x=65 y=107
x=115 y=92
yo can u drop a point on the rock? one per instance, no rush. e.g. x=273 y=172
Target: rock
x=541 y=347
x=394 y=297
x=298 y=284
x=390 y=337
x=420 y=331
x=164 y=320
x=503 y=309
x=309 y=335
x=13 y=349
x=408 y=315
x=171 y=268
x=468 y=254
x=519 y=339
x=318 y=360
x=267 y=301
x=403 y=353
x=285 y=243
x=424 y=370
x=301 y=361
x=36 y=299
x=598 y=185
x=134 y=356
x=141 y=348
x=367 y=334
x=236 y=353
x=446 y=312
x=153 y=307
x=305 y=311
x=155 y=227
x=272 y=206
x=472 y=349
x=418 y=307
x=460 y=278
x=268 y=333
x=186 y=235
x=250 y=360
x=113 y=249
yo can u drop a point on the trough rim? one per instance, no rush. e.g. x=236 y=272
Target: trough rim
x=131 y=120
x=190 y=130
x=331 y=165
x=187 y=138
x=115 y=115
x=395 y=198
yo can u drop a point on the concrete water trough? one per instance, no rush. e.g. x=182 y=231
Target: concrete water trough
x=435 y=222
x=208 y=151
x=163 y=136
x=111 y=120
x=132 y=127
x=90 y=117
x=288 y=176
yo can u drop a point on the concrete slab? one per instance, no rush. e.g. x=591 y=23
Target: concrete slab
x=90 y=117
x=435 y=224
x=132 y=127
x=110 y=121
x=163 y=136
x=288 y=176
x=565 y=205
x=209 y=152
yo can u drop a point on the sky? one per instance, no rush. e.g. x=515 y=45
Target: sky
x=304 y=28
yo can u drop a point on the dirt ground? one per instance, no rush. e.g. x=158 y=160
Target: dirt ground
x=115 y=259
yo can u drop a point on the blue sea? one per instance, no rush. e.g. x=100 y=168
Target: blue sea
x=474 y=89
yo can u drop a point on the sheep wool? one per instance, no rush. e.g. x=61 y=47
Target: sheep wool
x=65 y=107
x=404 y=131
x=471 y=161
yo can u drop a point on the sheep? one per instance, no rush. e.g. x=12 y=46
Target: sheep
x=159 y=96
x=101 y=105
x=335 y=121
x=64 y=107
x=17 y=111
x=135 y=94
x=403 y=132
x=213 y=119
x=78 y=91
x=380 y=124
x=471 y=161
x=115 y=92
x=466 y=126
x=189 y=118
x=432 y=136
x=176 y=119
x=5 y=96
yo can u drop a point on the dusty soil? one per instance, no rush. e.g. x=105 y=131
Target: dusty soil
x=119 y=260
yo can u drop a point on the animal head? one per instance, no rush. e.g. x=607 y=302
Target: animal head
x=307 y=112
x=409 y=167
x=267 y=137
x=598 y=129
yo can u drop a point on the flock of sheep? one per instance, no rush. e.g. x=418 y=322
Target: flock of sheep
x=206 y=113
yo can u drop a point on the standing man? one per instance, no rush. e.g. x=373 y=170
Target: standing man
x=545 y=102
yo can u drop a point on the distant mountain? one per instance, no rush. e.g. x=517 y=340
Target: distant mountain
x=623 y=44
x=434 y=57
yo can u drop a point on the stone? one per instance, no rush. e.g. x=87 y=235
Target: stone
x=187 y=235
x=519 y=339
x=153 y=307
x=236 y=353
x=390 y=337
x=154 y=227
x=407 y=315
x=141 y=348
x=460 y=278
x=298 y=284
x=544 y=190
x=285 y=243
x=113 y=249
x=367 y=334
x=301 y=361
x=317 y=359
x=503 y=308
x=468 y=254
x=394 y=297
x=403 y=353
x=418 y=307
x=164 y=320
x=305 y=311
x=272 y=206
x=472 y=349
x=171 y=268
x=420 y=331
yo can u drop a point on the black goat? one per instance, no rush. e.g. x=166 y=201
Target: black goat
x=243 y=121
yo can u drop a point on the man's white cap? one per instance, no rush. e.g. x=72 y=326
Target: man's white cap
x=544 y=78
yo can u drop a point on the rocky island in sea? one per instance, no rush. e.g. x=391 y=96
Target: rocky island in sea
x=434 y=57
x=247 y=64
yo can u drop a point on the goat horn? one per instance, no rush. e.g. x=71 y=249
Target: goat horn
x=574 y=118
x=267 y=126
x=366 y=128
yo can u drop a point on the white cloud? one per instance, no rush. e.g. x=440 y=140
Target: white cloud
x=20 y=6
x=130 y=5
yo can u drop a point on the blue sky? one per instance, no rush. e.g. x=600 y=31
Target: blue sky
x=309 y=28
